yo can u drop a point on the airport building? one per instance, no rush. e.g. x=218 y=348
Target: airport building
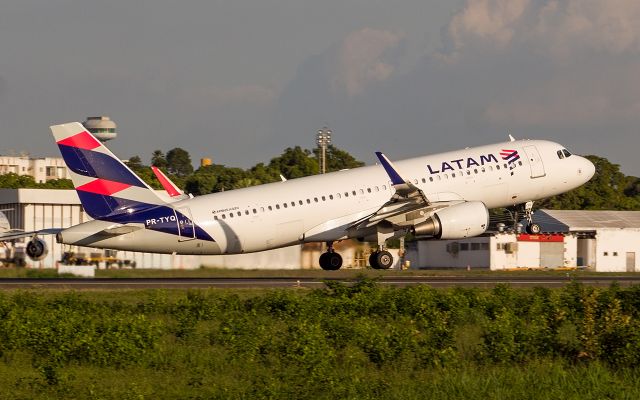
x=605 y=241
x=48 y=168
x=41 y=169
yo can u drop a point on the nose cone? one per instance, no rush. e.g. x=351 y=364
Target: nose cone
x=586 y=169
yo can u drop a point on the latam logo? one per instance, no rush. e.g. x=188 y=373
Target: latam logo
x=510 y=155
x=462 y=163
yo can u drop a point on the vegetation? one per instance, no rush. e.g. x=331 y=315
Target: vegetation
x=358 y=341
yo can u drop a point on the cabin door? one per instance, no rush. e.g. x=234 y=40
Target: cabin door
x=535 y=161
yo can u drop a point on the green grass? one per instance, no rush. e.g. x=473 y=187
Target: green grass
x=360 y=341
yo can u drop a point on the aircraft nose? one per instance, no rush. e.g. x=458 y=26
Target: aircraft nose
x=586 y=169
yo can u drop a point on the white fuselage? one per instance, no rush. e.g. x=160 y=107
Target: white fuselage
x=322 y=207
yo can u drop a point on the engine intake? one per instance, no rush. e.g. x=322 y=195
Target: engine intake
x=455 y=222
x=37 y=249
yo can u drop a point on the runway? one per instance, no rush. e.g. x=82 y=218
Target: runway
x=306 y=282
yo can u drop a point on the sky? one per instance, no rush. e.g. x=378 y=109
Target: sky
x=239 y=81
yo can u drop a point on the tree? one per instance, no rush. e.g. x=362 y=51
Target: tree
x=179 y=162
x=338 y=159
x=295 y=163
x=135 y=162
x=158 y=159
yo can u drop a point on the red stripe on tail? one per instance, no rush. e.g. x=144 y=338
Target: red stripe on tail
x=81 y=140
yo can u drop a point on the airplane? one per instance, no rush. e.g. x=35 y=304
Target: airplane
x=439 y=196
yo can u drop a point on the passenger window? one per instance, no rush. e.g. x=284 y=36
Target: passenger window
x=361 y=191
x=300 y=202
x=384 y=187
x=497 y=166
x=255 y=211
x=431 y=179
x=377 y=189
x=293 y=204
x=224 y=216
x=323 y=198
x=308 y=201
x=215 y=217
x=261 y=209
x=270 y=208
x=353 y=192
x=475 y=170
x=424 y=180
x=315 y=199
x=246 y=212
x=338 y=194
x=346 y=194
x=239 y=214
x=231 y=215
x=277 y=206
x=369 y=190
x=284 y=205
x=330 y=197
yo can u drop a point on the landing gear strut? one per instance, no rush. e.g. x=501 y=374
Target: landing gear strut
x=532 y=227
x=330 y=260
x=382 y=259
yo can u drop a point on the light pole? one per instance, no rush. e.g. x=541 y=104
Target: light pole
x=323 y=139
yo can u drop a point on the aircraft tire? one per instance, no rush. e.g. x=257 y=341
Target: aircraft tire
x=330 y=261
x=533 y=229
x=373 y=260
x=384 y=259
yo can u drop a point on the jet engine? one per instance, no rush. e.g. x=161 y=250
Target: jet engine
x=37 y=249
x=455 y=222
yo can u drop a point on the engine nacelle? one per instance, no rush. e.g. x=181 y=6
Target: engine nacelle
x=456 y=222
x=37 y=249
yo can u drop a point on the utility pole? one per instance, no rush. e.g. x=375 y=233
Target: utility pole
x=323 y=139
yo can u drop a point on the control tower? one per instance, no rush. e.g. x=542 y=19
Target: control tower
x=101 y=127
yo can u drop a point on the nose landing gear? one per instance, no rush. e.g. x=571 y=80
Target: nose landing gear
x=531 y=228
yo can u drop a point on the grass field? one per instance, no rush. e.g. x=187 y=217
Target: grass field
x=361 y=341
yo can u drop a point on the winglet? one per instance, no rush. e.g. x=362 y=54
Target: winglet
x=396 y=179
x=170 y=187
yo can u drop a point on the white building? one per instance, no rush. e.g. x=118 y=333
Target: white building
x=606 y=241
x=41 y=169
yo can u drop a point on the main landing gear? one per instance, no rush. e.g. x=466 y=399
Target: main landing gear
x=531 y=228
x=330 y=260
x=381 y=259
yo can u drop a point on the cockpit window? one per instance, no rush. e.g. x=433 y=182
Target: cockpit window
x=560 y=154
x=566 y=153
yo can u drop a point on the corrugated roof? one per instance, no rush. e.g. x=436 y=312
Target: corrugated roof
x=583 y=220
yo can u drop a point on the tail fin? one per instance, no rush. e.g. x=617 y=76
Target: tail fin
x=107 y=188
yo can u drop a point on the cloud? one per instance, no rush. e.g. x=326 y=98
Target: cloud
x=555 y=28
x=360 y=60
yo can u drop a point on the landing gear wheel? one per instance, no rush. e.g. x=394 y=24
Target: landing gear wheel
x=330 y=261
x=381 y=260
x=533 y=229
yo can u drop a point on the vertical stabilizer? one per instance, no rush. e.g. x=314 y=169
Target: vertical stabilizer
x=107 y=188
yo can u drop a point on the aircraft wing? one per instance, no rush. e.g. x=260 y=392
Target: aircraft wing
x=408 y=203
x=14 y=234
